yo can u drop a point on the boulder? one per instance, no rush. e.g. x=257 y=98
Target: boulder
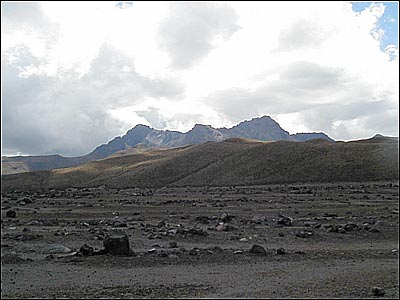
x=86 y=250
x=285 y=221
x=378 y=291
x=11 y=214
x=117 y=243
x=280 y=251
x=257 y=249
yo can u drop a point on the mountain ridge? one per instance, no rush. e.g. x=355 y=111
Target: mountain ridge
x=235 y=161
x=261 y=128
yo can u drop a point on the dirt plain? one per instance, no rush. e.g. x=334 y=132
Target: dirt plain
x=339 y=240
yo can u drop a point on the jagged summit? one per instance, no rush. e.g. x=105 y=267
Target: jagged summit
x=261 y=128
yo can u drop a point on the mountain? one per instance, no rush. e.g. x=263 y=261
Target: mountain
x=262 y=129
x=234 y=161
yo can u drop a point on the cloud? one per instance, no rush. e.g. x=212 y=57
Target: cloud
x=27 y=21
x=75 y=75
x=320 y=97
x=191 y=31
x=69 y=113
x=301 y=34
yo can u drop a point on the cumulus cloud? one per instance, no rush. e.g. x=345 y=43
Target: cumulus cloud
x=192 y=29
x=301 y=34
x=77 y=75
x=322 y=97
x=68 y=113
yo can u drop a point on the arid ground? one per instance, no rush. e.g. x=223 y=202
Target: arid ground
x=337 y=240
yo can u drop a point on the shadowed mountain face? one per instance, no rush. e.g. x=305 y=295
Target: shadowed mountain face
x=231 y=162
x=262 y=129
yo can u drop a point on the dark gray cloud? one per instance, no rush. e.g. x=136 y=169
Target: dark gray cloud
x=190 y=30
x=68 y=114
x=301 y=85
x=320 y=95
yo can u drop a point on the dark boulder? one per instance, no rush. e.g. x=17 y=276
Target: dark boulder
x=285 y=221
x=378 y=291
x=117 y=243
x=257 y=249
x=280 y=251
x=86 y=250
x=11 y=214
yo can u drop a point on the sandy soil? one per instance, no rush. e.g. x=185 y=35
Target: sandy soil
x=340 y=241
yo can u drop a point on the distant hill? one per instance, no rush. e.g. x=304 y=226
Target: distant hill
x=234 y=161
x=262 y=129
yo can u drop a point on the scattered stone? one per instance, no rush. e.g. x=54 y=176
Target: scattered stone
x=333 y=228
x=203 y=219
x=198 y=231
x=226 y=217
x=330 y=215
x=280 y=251
x=152 y=250
x=163 y=254
x=194 y=251
x=117 y=243
x=257 y=249
x=11 y=258
x=119 y=223
x=57 y=249
x=86 y=250
x=238 y=252
x=173 y=244
x=11 y=214
x=225 y=227
x=243 y=240
x=378 y=291
x=304 y=234
x=351 y=227
x=285 y=221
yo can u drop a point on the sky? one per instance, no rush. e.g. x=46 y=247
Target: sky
x=77 y=74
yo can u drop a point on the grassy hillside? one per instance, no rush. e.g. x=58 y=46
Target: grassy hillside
x=231 y=162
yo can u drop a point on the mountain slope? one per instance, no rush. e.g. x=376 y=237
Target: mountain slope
x=263 y=129
x=230 y=162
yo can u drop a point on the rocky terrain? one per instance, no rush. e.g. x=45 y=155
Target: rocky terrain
x=315 y=240
x=263 y=129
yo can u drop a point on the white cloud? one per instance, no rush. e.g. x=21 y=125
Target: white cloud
x=87 y=71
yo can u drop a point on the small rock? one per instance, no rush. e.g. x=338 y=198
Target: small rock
x=378 y=291
x=280 y=251
x=11 y=214
x=194 y=251
x=304 y=234
x=257 y=249
x=173 y=244
x=285 y=221
x=57 y=249
x=86 y=250
x=11 y=258
x=225 y=227
x=226 y=217
x=374 y=230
